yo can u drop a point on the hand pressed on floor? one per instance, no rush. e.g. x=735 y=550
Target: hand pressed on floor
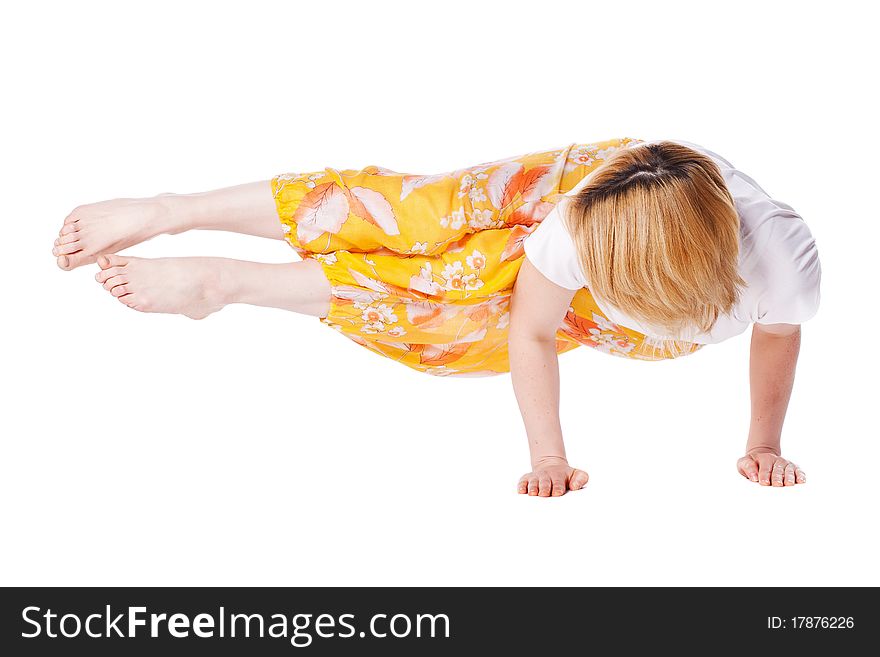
x=552 y=478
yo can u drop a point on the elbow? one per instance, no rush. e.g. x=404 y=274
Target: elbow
x=521 y=335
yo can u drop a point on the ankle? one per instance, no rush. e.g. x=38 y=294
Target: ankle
x=178 y=213
x=223 y=281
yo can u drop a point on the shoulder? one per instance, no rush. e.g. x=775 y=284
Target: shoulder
x=551 y=250
x=785 y=269
x=779 y=256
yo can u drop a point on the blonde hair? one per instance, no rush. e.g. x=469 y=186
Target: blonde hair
x=657 y=236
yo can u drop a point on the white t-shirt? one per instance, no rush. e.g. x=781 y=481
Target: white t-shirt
x=778 y=260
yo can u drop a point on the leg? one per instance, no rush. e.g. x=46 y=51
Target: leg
x=197 y=287
x=110 y=226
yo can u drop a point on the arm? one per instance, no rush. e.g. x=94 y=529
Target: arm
x=536 y=310
x=772 y=362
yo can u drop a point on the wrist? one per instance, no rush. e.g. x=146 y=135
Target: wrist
x=763 y=441
x=763 y=449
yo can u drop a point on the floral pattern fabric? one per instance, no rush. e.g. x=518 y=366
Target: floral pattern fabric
x=421 y=267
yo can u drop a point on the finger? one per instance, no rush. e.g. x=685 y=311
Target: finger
x=578 y=480
x=522 y=486
x=558 y=486
x=764 y=467
x=544 y=485
x=778 y=473
x=748 y=468
x=800 y=475
x=788 y=478
x=533 y=485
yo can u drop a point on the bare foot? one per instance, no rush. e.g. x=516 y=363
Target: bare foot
x=183 y=286
x=110 y=226
x=768 y=469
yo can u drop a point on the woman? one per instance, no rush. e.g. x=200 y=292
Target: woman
x=645 y=250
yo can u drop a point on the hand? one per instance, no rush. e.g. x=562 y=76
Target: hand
x=769 y=469
x=552 y=477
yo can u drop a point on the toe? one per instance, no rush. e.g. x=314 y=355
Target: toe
x=788 y=478
x=120 y=290
x=522 y=485
x=111 y=260
x=133 y=301
x=104 y=274
x=67 y=229
x=67 y=239
x=558 y=486
x=74 y=260
x=800 y=475
x=115 y=281
x=66 y=249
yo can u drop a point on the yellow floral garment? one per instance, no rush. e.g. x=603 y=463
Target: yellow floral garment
x=421 y=267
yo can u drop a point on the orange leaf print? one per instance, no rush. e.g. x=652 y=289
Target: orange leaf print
x=530 y=213
x=441 y=354
x=513 y=186
x=499 y=182
x=514 y=247
x=578 y=327
x=511 y=179
x=371 y=206
x=427 y=288
x=347 y=294
x=459 y=244
x=322 y=210
x=530 y=183
x=382 y=287
x=369 y=283
x=425 y=314
x=424 y=282
x=479 y=312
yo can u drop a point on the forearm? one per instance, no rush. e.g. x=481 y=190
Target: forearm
x=772 y=364
x=534 y=370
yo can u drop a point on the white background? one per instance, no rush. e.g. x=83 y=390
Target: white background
x=261 y=448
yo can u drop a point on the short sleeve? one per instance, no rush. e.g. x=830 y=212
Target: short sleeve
x=792 y=273
x=552 y=252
